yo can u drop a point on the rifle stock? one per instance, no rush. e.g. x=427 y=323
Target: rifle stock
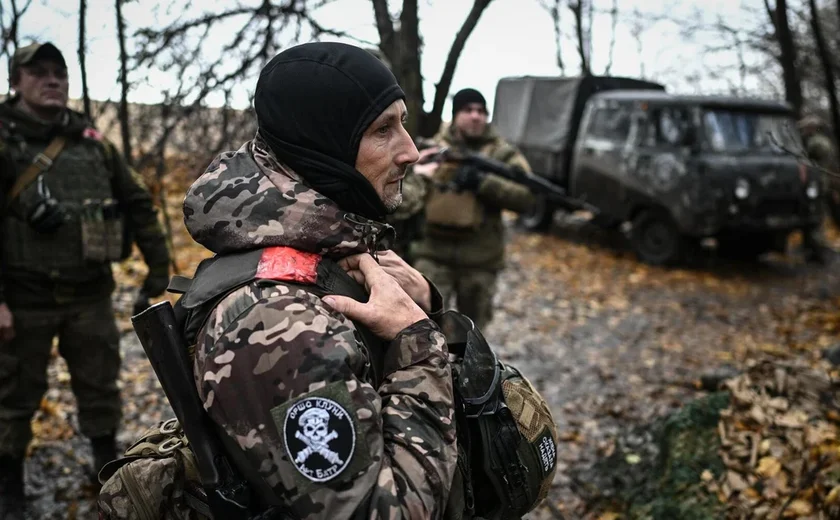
x=157 y=329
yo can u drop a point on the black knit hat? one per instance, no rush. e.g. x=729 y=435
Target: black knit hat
x=465 y=97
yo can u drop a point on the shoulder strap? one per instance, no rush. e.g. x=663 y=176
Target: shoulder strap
x=42 y=162
x=332 y=279
x=218 y=276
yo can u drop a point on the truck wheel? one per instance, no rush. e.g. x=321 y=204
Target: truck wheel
x=540 y=217
x=656 y=239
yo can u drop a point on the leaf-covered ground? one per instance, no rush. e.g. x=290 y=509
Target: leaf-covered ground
x=611 y=343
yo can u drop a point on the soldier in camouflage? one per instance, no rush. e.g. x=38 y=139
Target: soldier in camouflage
x=820 y=149
x=462 y=254
x=283 y=371
x=60 y=233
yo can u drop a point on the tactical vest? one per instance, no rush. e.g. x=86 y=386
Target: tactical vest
x=79 y=173
x=451 y=213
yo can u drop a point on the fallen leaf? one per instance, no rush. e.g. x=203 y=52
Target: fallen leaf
x=798 y=508
x=768 y=467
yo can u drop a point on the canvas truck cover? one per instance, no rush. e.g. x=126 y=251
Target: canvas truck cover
x=540 y=115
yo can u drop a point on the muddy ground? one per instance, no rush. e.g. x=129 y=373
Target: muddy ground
x=611 y=343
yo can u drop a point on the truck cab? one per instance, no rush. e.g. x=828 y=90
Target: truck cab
x=680 y=169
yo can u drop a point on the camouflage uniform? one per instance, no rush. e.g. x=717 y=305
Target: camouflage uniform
x=821 y=150
x=286 y=376
x=49 y=286
x=408 y=218
x=465 y=264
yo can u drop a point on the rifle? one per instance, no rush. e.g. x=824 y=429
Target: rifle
x=539 y=186
x=227 y=495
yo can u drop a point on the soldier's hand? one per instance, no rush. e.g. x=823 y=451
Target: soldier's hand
x=409 y=278
x=424 y=166
x=389 y=309
x=7 y=324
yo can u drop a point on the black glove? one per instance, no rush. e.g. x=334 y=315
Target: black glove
x=46 y=216
x=468 y=178
x=156 y=282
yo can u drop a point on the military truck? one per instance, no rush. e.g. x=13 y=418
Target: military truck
x=672 y=170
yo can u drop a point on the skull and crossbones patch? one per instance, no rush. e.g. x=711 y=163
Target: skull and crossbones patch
x=320 y=438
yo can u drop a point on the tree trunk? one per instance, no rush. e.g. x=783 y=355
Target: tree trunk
x=403 y=49
x=410 y=75
x=558 y=36
x=82 y=55
x=614 y=18
x=828 y=71
x=577 y=10
x=787 y=58
x=125 y=123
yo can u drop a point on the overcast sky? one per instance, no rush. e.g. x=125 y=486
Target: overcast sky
x=513 y=37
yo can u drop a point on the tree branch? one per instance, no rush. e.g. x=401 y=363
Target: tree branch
x=442 y=87
x=614 y=14
x=387 y=38
x=577 y=10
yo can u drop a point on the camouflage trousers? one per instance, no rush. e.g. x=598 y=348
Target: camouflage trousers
x=88 y=340
x=471 y=288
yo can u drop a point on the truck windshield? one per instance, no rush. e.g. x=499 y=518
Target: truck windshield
x=734 y=131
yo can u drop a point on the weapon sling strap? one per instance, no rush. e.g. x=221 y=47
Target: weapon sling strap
x=42 y=162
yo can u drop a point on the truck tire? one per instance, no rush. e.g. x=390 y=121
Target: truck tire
x=540 y=217
x=655 y=238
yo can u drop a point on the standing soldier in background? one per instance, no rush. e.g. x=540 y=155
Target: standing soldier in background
x=463 y=243
x=820 y=149
x=71 y=207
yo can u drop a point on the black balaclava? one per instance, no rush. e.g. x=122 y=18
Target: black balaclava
x=465 y=97
x=313 y=104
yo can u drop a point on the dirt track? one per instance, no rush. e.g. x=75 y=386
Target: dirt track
x=610 y=342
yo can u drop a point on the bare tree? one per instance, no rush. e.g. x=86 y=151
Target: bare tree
x=82 y=51
x=787 y=55
x=253 y=35
x=614 y=19
x=577 y=6
x=402 y=46
x=826 y=62
x=553 y=8
x=10 y=25
x=637 y=29
x=125 y=123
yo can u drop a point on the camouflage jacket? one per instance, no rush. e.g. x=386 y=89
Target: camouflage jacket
x=41 y=270
x=485 y=247
x=286 y=375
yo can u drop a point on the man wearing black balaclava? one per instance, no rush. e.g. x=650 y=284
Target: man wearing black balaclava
x=463 y=244
x=333 y=428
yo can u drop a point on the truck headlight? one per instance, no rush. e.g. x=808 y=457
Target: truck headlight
x=812 y=191
x=742 y=189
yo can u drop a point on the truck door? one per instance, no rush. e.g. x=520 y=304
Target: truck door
x=655 y=158
x=596 y=169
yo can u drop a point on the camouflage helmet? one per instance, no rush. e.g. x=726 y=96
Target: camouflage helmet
x=512 y=434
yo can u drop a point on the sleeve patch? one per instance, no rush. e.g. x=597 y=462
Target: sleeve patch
x=320 y=435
